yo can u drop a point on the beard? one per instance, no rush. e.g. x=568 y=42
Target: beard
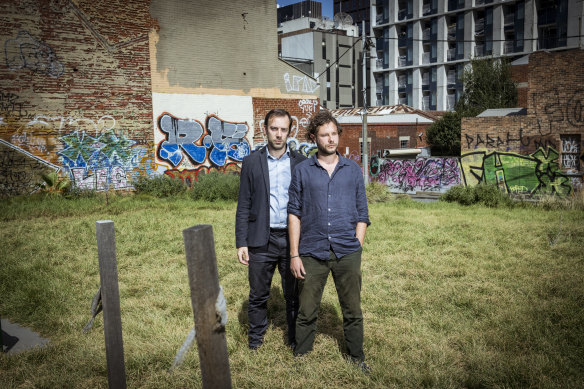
x=324 y=150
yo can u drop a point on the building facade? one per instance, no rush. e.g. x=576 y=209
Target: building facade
x=103 y=93
x=422 y=46
x=328 y=51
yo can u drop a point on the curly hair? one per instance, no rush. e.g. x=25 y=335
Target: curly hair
x=321 y=118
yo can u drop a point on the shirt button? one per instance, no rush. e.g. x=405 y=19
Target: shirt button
x=329 y=209
x=329 y=238
x=329 y=224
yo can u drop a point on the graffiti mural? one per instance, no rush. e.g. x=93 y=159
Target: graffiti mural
x=537 y=173
x=218 y=142
x=107 y=161
x=11 y=106
x=422 y=174
x=293 y=85
x=26 y=52
x=20 y=171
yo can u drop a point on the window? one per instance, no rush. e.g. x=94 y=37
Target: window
x=570 y=152
x=404 y=142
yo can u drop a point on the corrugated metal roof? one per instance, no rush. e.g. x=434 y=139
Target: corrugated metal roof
x=497 y=112
x=400 y=113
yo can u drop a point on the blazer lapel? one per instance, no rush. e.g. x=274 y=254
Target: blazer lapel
x=265 y=170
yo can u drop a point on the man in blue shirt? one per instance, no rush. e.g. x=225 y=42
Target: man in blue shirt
x=327 y=220
x=261 y=232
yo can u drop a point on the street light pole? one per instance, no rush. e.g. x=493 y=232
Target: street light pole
x=365 y=149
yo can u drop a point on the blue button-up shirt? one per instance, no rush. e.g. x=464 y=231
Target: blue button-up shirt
x=279 y=170
x=329 y=208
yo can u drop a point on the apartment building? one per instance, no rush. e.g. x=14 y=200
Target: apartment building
x=422 y=46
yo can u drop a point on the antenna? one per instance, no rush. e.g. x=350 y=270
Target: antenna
x=342 y=19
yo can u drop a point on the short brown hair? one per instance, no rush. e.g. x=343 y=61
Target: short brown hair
x=277 y=112
x=321 y=118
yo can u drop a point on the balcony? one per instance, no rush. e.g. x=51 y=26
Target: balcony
x=379 y=63
x=479 y=50
x=451 y=77
x=402 y=61
x=402 y=42
x=401 y=14
x=451 y=54
x=426 y=9
x=426 y=103
x=426 y=34
x=402 y=81
x=450 y=102
x=425 y=58
x=479 y=2
x=425 y=79
x=379 y=102
x=508 y=47
x=403 y=100
x=452 y=32
x=509 y=19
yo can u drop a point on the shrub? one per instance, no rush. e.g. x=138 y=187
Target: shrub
x=159 y=186
x=491 y=196
x=485 y=194
x=216 y=186
x=75 y=192
x=378 y=193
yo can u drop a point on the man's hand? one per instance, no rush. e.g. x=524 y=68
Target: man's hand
x=297 y=268
x=243 y=256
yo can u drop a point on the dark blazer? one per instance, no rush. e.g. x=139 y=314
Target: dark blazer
x=252 y=219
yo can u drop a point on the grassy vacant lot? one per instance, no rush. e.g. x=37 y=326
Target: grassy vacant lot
x=453 y=297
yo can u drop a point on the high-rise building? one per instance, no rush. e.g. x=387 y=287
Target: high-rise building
x=422 y=46
x=302 y=9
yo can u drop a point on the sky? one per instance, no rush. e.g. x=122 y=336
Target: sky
x=327 y=6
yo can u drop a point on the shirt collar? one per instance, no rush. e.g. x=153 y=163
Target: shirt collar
x=342 y=160
x=285 y=155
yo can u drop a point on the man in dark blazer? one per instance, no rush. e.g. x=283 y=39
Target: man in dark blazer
x=261 y=225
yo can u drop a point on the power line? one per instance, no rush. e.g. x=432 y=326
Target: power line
x=474 y=40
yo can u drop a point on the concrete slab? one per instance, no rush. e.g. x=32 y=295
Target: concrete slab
x=19 y=338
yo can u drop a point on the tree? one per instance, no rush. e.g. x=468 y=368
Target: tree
x=487 y=84
x=444 y=135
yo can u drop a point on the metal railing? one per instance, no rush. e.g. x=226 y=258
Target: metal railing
x=451 y=54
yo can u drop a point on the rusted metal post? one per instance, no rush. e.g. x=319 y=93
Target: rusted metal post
x=110 y=300
x=204 y=284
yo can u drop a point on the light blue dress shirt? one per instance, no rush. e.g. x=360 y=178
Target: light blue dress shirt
x=279 y=170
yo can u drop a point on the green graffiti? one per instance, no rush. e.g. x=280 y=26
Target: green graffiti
x=534 y=174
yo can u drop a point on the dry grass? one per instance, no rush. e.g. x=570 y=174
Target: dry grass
x=453 y=297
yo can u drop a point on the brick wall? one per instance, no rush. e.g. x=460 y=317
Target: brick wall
x=301 y=111
x=545 y=145
x=75 y=80
x=381 y=137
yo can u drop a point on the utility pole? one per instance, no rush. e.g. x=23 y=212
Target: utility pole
x=365 y=149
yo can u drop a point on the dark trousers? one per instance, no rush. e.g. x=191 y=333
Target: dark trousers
x=262 y=264
x=346 y=273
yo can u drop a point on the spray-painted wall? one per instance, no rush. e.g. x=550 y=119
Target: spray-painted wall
x=102 y=92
